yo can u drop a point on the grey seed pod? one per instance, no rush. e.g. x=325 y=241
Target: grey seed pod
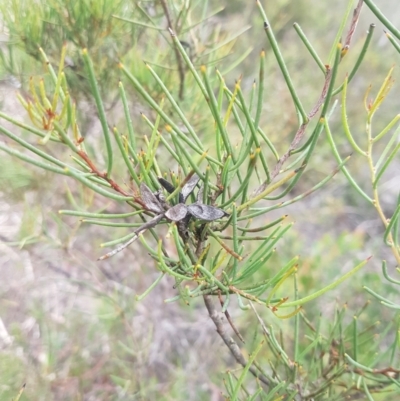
x=190 y=186
x=161 y=198
x=177 y=212
x=167 y=185
x=199 y=197
x=159 y=195
x=206 y=212
x=150 y=199
x=170 y=188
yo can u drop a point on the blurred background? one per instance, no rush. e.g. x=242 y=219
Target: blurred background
x=70 y=327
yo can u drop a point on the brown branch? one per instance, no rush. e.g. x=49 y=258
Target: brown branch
x=181 y=70
x=228 y=318
x=300 y=132
x=353 y=26
x=104 y=176
x=226 y=247
x=146 y=226
x=218 y=320
x=244 y=294
x=324 y=91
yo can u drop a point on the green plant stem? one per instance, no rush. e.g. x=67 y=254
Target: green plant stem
x=385 y=165
x=29 y=160
x=263 y=228
x=128 y=119
x=359 y=59
x=345 y=122
x=378 y=13
x=175 y=129
x=125 y=156
x=110 y=224
x=100 y=108
x=375 y=179
x=282 y=65
x=340 y=31
x=296 y=331
x=261 y=211
x=344 y=169
x=65 y=171
x=176 y=107
x=253 y=131
x=189 y=63
x=27 y=127
x=392 y=41
x=268 y=190
x=260 y=96
x=309 y=47
x=33 y=149
x=212 y=102
x=245 y=371
x=329 y=287
x=99 y=215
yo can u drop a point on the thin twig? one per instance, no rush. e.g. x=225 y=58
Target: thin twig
x=228 y=318
x=300 y=132
x=302 y=129
x=218 y=319
x=244 y=294
x=265 y=330
x=146 y=226
x=353 y=26
x=226 y=247
x=104 y=176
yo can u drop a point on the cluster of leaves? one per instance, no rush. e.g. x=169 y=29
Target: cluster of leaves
x=213 y=235
x=228 y=271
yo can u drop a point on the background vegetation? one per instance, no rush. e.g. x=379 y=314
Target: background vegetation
x=72 y=328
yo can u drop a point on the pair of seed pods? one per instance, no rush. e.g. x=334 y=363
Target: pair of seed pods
x=156 y=202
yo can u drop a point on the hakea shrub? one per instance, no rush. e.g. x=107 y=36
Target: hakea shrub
x=215 y=205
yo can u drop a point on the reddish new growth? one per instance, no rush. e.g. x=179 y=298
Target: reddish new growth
x=274 y=308
x=48 y=123
x=105 y=177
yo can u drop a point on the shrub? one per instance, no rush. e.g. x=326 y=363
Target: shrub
x=208 y=171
